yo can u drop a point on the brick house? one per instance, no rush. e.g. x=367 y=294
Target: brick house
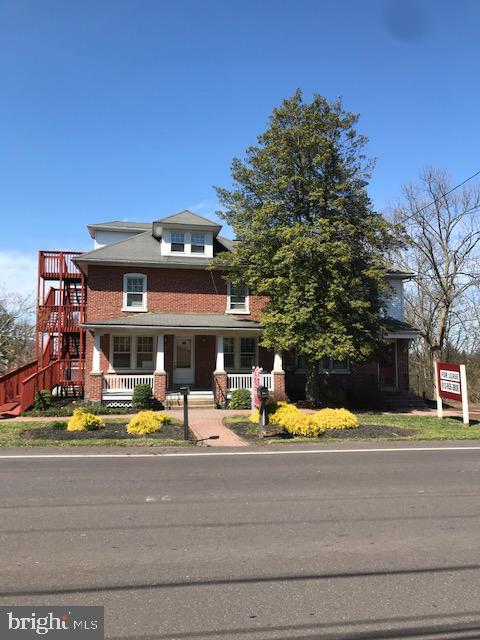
x=155 y=314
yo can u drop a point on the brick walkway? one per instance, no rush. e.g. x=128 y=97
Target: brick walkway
x=208 y=422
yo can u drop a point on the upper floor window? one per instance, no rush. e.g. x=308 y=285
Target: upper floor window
x=198 y=243
x=178 y=241
x=237 y=298
x=135 y=292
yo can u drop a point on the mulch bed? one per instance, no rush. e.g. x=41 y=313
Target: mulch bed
x=110 y=431
x=364 y=431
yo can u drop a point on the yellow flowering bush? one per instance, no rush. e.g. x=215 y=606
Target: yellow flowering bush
x=270 y=408
x=334 y=419
x=292 y=419
x=145 y=422
x=309 y=425
x=84 y=421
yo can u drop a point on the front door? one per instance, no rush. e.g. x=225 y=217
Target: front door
x=183 y=360
x=388 y=367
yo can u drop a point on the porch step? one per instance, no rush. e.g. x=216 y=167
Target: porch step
x=403 y=402
x=195 y=399
x=10 y=410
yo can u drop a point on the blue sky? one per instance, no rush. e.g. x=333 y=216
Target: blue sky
x=127 y=109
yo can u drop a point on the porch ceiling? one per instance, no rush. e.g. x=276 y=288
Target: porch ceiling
x=178 y=321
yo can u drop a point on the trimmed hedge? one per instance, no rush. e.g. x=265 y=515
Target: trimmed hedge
x=240 y=399
x=142 y=397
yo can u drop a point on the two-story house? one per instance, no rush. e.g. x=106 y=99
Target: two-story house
x=156 y=314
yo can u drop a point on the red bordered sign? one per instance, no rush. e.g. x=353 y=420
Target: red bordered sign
x=255 y=384
x=449 y=381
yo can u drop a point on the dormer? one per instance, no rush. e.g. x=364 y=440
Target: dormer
x=186 y=234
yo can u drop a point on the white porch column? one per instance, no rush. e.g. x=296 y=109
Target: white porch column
x=96 y=353
x=160 y=361
x=278 y=361
x=220 y=365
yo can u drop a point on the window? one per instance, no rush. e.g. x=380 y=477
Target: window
x=135 y=292
x=237 y=298
x=229 y=353
x=178 y=241
x=247 y=353
x=198 y=243
x=240 y=353
x=328 y=365
x=121 y=352
x=144 y=352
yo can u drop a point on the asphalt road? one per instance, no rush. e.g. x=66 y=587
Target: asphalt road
x=353 y=546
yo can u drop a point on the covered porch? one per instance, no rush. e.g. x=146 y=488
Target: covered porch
x=211 y=361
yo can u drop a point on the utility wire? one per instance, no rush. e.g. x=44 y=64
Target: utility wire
x=448 y=192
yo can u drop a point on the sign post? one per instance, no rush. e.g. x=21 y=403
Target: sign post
x=451 y=383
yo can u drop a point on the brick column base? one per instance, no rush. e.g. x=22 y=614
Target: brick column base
x=94 y=393
x=220 y=389
x=160 y=386
x=279 y=385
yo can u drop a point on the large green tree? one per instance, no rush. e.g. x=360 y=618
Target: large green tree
x=307 y=235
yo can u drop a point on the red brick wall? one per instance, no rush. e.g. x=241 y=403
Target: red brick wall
x=168 y=290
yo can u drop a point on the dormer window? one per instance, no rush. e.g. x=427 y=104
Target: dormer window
x=198 y=243
x=237 y=298
x=134 y=292
x=178 y=241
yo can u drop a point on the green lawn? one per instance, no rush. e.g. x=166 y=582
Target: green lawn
x=373 y=427
x=10 y=436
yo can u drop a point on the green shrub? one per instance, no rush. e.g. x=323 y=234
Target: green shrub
x=84 y=421
x=142 y=397
x=67 y=410
x=43 y=399
x=240 y=399
x=146 y=422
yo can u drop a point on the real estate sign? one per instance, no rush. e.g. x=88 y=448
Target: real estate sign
x=451 y=383
x=255 y=384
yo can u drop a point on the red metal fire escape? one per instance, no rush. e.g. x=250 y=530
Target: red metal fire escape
x=60 y=339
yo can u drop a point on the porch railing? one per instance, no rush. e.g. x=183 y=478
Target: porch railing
x=244 y=381
x=119 y=384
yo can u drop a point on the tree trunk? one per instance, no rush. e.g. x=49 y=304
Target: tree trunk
x=312 y=386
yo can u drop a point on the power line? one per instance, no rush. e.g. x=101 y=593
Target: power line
x=449 y=192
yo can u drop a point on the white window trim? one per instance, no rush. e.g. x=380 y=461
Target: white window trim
x=236 y=312
x=236 y=354
x=144 y=306
x=133 y=355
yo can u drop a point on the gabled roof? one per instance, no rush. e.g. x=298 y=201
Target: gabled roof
x=188 y=218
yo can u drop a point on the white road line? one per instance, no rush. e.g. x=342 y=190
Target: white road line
x=62 y=456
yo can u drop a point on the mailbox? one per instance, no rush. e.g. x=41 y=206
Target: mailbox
x=184 y=391
x=262 y=393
